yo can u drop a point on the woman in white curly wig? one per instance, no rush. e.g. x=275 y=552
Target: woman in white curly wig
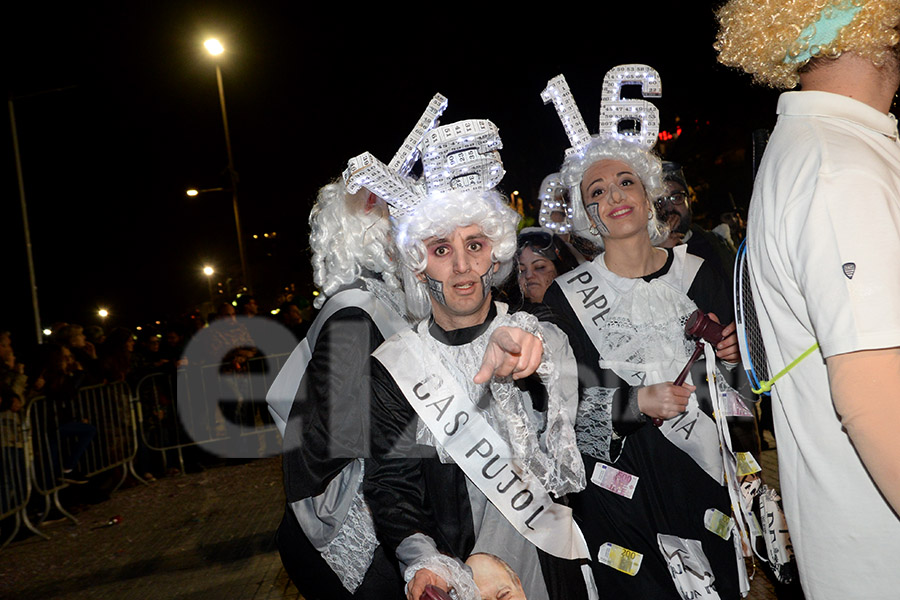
x=319 y=401
x=624 y=314
x=586 y=219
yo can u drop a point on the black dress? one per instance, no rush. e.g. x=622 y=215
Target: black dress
x=673 y=492
x=328 y=430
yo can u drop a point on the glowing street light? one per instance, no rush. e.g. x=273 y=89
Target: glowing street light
x=193 y=193
x=103 y=313
x=209 y=272
x=214 y=47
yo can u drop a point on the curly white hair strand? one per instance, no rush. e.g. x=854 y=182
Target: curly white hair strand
x=345 y=239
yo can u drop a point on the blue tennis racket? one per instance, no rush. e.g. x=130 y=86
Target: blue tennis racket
x=753 y=350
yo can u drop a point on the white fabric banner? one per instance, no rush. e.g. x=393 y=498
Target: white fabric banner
x=459 y=426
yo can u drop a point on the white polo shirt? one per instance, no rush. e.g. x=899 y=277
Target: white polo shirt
x=824 y=245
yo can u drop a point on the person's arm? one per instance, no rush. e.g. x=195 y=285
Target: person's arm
x=394 y=484
x=713 y=295
x=865 y=388
x=328 y=423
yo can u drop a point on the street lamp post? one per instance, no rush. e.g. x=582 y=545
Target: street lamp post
x=215 y=48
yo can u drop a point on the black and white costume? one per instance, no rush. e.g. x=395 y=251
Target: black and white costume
x=638 y=340
x=426 y=509
x=320 y=402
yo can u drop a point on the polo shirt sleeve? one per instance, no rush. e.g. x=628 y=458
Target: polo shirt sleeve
x=847 y=259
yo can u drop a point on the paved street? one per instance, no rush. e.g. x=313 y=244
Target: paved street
x=205 y=535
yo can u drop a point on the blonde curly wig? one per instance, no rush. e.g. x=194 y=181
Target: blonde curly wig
x=762 y=37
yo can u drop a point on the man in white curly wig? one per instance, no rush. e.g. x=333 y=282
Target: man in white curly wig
x=823 y=242
x=469 y=452
x=326 y=538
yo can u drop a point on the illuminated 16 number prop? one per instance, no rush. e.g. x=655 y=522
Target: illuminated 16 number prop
x=613 y=108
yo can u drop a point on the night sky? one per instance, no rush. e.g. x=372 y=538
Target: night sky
x=117 y=114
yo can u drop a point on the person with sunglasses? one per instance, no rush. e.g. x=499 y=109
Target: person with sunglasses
x=542 y=256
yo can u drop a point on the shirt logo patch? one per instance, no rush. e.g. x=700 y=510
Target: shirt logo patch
x=849 y=269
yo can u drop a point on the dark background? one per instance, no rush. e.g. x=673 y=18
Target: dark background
x=117 y=113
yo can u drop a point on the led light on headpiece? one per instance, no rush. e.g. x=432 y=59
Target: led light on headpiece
x=614 y=109
x=634 y=122
x=409 y=152
x=553 y=200
x=366 y=171
x=462 y=156
x=392 y=182
x=558 y=92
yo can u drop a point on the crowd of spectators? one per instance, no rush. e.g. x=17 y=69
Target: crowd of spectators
x=74 y=356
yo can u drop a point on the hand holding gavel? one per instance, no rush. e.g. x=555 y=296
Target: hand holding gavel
x=701 y=327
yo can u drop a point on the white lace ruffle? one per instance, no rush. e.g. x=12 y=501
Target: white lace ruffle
x=391 y=297
x=593 y=424
x=553 y=457
x=450 y=570
x=350 y=553
x=640 y=329
x=556 y=462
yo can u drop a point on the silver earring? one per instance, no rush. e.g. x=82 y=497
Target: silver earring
x=594 y=230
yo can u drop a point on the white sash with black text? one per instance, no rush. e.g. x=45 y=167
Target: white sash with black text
x=458 y=425
x=593 y=291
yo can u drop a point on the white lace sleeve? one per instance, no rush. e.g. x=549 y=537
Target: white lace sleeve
x=557 y=464
x=593 y=425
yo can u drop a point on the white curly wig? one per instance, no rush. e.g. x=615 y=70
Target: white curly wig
x=345 y=240
x=438 y=216
x=647 y=167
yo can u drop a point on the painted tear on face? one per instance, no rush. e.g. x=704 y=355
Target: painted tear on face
x=436 y=289
x=487 y=281
x=593 y=211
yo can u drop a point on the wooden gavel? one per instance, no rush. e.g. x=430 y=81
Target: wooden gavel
x=701 y=327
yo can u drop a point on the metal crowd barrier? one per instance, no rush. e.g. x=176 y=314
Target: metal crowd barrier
x=94 y=433
x=15 y=464
x=101 y=428
x=216 y=407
